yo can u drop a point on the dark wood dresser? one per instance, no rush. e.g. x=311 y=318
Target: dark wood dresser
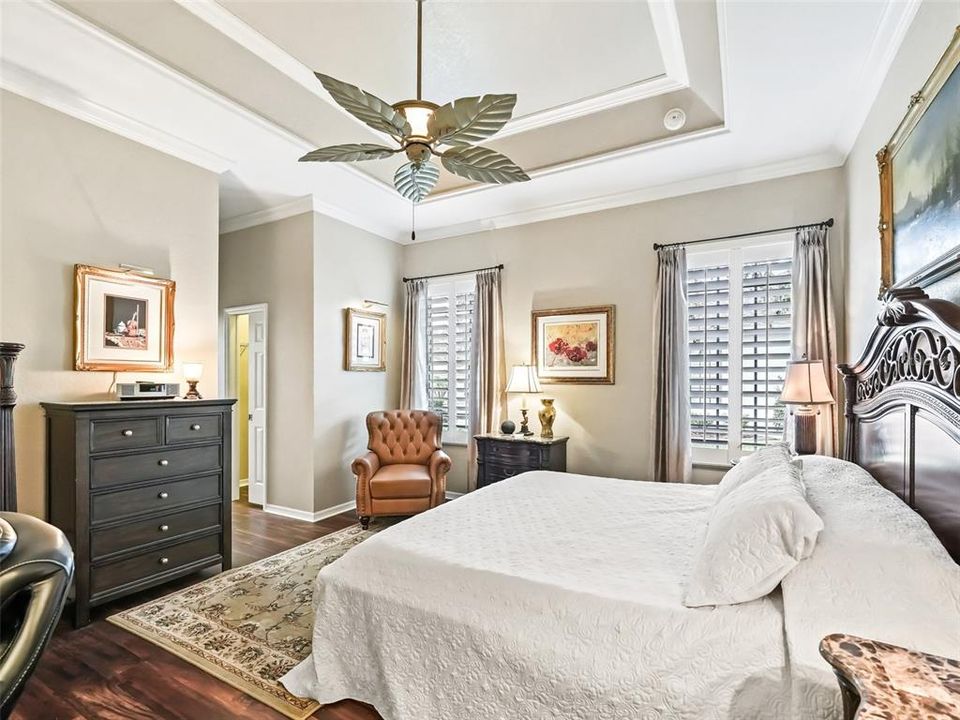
x=503 y=456
x=142 y=490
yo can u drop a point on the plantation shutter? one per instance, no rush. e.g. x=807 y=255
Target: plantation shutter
x=765 y=350
x=708 y=337
x=449 y=328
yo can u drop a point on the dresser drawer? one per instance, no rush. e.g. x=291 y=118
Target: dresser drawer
x=158 y=498
x=190 y=428
x=156 y=562
x=123 y=434
x=166 y=526
x=511 y=452
x=496 y=471
x=155 y=465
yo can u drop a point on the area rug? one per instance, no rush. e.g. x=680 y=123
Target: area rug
x=247 y=626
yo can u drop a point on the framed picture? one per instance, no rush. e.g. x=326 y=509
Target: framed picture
x=575 y=345
x=123 y=321
x=365 y=340
x=919 y=191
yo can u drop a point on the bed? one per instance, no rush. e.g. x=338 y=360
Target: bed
x=559 y=596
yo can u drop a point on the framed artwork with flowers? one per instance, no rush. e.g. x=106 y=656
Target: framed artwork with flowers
x=575 y=345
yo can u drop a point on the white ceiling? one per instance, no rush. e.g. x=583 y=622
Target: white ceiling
x=772 y=88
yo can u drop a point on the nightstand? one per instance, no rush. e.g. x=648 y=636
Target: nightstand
x=503 y=456
x=878 y=680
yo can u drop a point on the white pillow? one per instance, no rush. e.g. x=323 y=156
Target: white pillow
x=756 y=534
x=776 y=455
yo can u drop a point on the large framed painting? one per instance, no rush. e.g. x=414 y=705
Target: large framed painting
x=365 y=341
x=575 y=345
x=920 y=183
x=123 y=321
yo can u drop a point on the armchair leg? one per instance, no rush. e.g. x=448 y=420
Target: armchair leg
x=365 y=522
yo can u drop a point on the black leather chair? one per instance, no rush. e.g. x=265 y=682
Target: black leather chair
x=36 y=567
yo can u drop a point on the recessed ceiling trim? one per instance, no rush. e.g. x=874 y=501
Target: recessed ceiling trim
x=267 y=215
x=717 y=181
x=665 y=24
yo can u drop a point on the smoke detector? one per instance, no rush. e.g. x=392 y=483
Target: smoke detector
x=674 y=119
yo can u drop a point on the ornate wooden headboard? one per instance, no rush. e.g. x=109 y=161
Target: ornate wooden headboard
x=902 y=408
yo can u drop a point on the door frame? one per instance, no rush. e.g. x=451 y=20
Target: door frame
x=223 y=362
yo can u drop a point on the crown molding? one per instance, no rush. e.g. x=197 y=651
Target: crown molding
x=267 y=215
x=666 y=25
x=731 y=178
x=31 y=86
x=891 y=30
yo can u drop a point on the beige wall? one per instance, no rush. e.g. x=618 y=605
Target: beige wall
x=72 y=193
x=918 y=55
x=273 y=264
x=308 y=268
x=350 y=266
x=607 y=258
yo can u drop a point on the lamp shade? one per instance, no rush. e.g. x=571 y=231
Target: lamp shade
x=192 y=371
x=806 y=384
x=523 y=379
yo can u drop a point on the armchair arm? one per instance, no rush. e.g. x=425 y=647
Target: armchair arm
x=440 y=465
x=365 y=467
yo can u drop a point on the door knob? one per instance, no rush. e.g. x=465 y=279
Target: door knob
x=250 y=417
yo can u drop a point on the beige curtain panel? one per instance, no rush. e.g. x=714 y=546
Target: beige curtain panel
x=672 y=459
x=488 y=382
x=413 y=363
x=814 y=324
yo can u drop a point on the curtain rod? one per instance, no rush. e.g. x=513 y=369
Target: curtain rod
x=825 y=223
x=449 y=274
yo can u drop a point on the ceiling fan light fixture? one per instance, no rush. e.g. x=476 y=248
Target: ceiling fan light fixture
x=418 y=113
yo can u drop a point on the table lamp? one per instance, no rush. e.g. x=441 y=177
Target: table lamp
x=523 y=380
x=192 y=373
x=805 y=387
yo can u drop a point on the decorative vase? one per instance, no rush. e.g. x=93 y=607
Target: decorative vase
x=548 y=413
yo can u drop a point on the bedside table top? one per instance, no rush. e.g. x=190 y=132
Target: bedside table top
x=893 y=681
x=535 y=439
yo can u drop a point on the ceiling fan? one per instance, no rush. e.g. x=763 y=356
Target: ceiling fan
x=421 y=128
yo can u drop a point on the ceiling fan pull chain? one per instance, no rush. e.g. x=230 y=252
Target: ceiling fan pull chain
x=413 y=221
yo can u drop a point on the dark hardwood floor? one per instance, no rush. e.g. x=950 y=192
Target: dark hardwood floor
x=102 y=672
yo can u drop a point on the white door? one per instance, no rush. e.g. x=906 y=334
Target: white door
x=257 y=418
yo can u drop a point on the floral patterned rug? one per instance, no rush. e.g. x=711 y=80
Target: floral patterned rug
x=247 y=626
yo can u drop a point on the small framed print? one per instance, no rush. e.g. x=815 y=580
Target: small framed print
x=123 y=321
x=365 y=339
x=575 y=345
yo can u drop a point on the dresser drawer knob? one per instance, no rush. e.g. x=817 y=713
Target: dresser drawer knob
x=164 y=561
x=163 y=463
x=195 y=426
x=163 y=495
x=164 y=528
x=128 y=433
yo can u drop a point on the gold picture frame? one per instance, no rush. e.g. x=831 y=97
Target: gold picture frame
x=575 y=346
x=123 y=321
x=364 y=341
x=927 y=270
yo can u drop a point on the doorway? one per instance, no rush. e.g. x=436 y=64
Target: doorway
x=244 y=368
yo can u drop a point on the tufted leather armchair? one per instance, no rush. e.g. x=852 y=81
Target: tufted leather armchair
x=36 y=567
x=405 y=470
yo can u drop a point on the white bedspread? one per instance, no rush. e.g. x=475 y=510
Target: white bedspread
x=546 y=596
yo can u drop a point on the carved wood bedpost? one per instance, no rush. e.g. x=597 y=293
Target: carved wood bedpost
x=850 y=419
x=8 y=398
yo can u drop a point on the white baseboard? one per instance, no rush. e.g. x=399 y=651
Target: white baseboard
x=454 y=495
x=244 y=483
x=307 y=516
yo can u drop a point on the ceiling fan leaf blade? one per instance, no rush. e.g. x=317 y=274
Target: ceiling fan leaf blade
x=483 y=165
x=349 y=152
x=366 y=107
x=471 y=119
x=415 y=181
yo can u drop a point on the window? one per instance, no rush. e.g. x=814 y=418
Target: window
x=739 y=303
x=449 y=324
